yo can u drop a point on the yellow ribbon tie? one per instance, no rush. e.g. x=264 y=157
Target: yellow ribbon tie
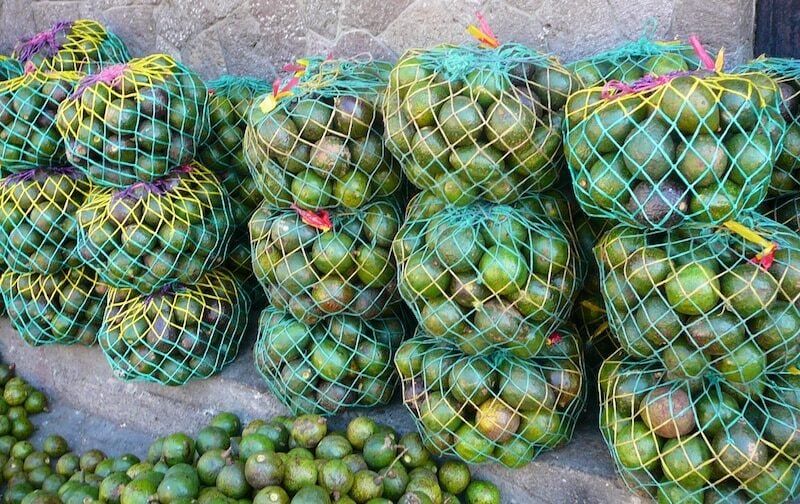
x=483 y=34
x=768 y=248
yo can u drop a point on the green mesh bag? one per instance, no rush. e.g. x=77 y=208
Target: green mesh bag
x=722 y=299
x=495 y=407
x=471 y=122
x=240 y=265
x=229 y=101
x=314 y=265
x=10 y=68
x=633 y=60
x=693 y=147
x=29 y=137
x=703 y=441
x=784 y=209
x=337 y=363
x=181 y=332
x=134 y=121
x=485 y=276
x=39 y=231
x=152 y=234
x=65 y=307
x=786 y=72
x=80 y=45
x=317 y=142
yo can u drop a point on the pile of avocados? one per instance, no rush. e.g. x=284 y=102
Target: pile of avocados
x=473 y=123
x=136 y=125
x=485 y=276
x=313 y=273
x=493 y=407
x=786 y=72
x=230 y=99
x=29 y=137
x=697 y=149
x=323 y=147
x=282 y=460
x=176 y=334
x=81 y=45
x=153 y=233
x=339 y=362
x=696 y=300
x=65 y=307
x=703 y=441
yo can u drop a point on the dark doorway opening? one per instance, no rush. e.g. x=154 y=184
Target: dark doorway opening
x=778 y=28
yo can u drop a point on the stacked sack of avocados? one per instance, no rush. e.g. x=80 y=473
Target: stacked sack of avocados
x=486 y=261
x=50 y=295
x=699 y=291
x=626 y=63
x=321 y=241
x=146 y=220
x=230 y=98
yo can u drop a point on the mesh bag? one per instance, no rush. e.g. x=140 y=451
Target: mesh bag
x=181 y=332
x=494 y=407
x=81 y=45
x=336 y=363
x=134 y=121
x=784 y=209
x=721 y=299
x=318 y=141
x=633 y=60
x=28 y=106
x=39 y=231
x=786 y=72
x=690 y=146
x=10 y=68
x=152 y=234
x=704 y=441
x=485 y=276
x=471 y=122
x=64 y=307
x=314 y=265
x=229 y=100
x=240 y=265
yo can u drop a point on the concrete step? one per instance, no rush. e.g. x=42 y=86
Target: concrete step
x=93 y=409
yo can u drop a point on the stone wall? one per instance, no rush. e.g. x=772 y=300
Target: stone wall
x=254 y=37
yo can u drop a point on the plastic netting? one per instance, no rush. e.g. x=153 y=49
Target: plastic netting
x=786 y=72
x=230 y=99
x=152 y=234
x=317 y=142
x=689 y=147
x=334 y=364
x=485 y=276
x=710 y=299
x=243 y=195
x=134 y=121
x=181 y=332
x=29 y=137
x=64 y=307
x=80 y=45
x=39 y=230
x=495 y=407
x=9 y=68
x=314 y=265
x=469 y=122
x=635 y=59
x=784 y=209
x=701 y=442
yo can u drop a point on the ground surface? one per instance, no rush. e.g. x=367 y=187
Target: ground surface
x=92 y=409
